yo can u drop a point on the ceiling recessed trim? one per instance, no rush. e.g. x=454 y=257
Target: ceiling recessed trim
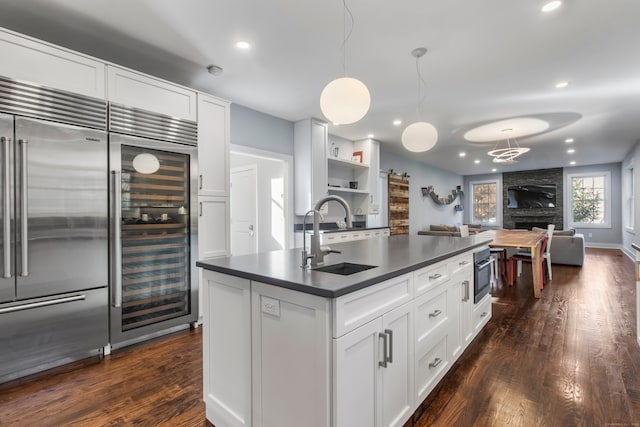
x=520 y=127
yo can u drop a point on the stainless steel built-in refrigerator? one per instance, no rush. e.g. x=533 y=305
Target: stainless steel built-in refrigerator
x=153 y=163
x=53 y=238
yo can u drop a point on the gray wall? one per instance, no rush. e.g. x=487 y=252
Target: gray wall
x=423 y=211
x=258 y=130
x=604 y=236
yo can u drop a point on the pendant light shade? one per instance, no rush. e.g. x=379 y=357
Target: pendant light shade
x=419 y=136
x=345 y=100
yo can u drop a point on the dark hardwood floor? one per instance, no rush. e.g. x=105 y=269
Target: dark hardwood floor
x=568 y=359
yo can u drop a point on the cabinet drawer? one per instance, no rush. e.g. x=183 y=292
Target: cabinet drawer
x=481 y=314
x=461 y=263
x=430 y=277
x=431 y=315
x=430 y=367
x=357 y=308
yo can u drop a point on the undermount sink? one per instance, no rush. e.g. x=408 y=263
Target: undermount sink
x=344 y=268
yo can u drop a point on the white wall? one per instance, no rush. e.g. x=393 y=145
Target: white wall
x=423 y=211
x=258 y=130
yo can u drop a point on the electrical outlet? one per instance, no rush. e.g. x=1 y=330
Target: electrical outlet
x=270 y=306
x=590 y=234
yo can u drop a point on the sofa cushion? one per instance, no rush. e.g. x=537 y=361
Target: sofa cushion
x=474 y=225
x=443 y=228
x=569 y=232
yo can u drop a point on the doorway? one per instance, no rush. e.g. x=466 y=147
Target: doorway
x=244 y=210
x=273 y=203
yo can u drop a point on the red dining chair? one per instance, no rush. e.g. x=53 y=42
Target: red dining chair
x=524 y=257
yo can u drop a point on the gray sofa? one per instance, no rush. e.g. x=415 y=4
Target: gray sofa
x=567 y=247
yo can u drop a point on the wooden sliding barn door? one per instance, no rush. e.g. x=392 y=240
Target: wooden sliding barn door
x=398 y=204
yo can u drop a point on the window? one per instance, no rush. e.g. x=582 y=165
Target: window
x=590 y=200
x=629 y=199
x=486 y=203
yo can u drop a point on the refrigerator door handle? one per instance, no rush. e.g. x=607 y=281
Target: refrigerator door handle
x=24 y=210
x=117 y=240
x=42 y=304
x=6 y=209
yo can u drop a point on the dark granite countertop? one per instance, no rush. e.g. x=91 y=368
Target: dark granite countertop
x=392 y=256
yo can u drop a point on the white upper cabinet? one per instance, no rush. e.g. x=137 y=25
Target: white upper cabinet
x=26 y=59
x=149 y=93
x=213 y=146
x=310 y=160
x=374 y=178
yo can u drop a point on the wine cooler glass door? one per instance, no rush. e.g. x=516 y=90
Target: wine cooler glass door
x=154 y=236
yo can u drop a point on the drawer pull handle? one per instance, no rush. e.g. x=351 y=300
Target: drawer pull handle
x=435 y=363
x=435 y=276
x=435 y=313
x=484 y=314
x=463 y=263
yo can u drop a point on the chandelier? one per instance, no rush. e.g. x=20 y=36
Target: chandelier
x=505 y=152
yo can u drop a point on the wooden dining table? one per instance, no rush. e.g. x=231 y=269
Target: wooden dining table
x=522 y=239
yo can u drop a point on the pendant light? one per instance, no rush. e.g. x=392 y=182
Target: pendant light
x=345 y=100
x=419 y=136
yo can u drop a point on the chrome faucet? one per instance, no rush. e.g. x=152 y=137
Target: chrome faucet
x=305 y=255
x=318 y=252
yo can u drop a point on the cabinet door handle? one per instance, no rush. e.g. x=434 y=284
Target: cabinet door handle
x=385 y=345
x=463 y=263
x=200 y=181
x=484 y=314
x=200 y=213
x=436 y=362
x=390 y=333
x=466 y=290
x=371 y=199
x=435 y=276
x=435 y=313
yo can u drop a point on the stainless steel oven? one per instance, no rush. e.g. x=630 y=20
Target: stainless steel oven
x=482 y=274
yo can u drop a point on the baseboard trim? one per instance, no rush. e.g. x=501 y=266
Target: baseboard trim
x=630 y=253
x=603 y=245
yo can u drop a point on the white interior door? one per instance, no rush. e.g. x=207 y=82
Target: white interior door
x=244 y=211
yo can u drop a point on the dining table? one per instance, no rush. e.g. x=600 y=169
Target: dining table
x=522 y=239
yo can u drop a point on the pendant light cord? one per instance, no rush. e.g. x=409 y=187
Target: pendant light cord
x=421 y=82
x=345 y=35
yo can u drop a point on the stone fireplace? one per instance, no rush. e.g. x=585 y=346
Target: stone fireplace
x=528 y=218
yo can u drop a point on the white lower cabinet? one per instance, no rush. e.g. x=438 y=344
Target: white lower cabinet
x=226 y=351
x=275 y=357
x=373 y=372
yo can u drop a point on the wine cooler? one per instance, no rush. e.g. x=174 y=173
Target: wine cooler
x=153 y=286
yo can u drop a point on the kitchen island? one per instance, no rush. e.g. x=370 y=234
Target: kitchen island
x=287 y=346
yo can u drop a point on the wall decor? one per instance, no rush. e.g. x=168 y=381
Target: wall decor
x=429 y=191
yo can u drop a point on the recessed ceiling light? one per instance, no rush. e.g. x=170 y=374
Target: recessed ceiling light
x=571 y=151
x=370 y=135
x=462 y=154
x=336 y=124
x=494 y=170
x=397 y=122
x=243 y=45
x=568 y=140
x=214 y=69
x=476 y=161
x=572 y=162
x=562 y=85
x=551 y=6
